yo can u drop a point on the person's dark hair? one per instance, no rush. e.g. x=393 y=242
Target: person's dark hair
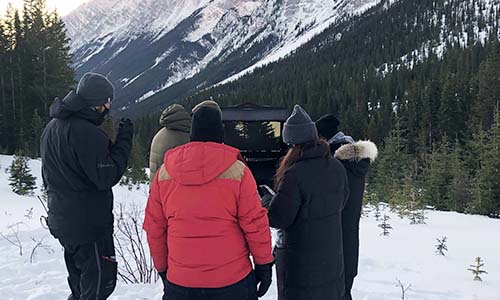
x=295 y=154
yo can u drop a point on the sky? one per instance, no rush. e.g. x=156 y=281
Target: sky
x=63 y=6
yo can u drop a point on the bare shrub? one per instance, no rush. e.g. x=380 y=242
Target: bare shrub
x=39 y=245
x=13 y=236
x=137 y=264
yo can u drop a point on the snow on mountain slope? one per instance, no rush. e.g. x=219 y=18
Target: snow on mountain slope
x=313 y=25
x=407 y=254
x=158 y=43
x=122 y=19
x=476 y=31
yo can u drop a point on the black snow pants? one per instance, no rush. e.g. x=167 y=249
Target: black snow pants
x=92 y=269
x=246 y=289
x=348 y=287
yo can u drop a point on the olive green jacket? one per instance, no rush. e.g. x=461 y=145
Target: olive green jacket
x=176 y=123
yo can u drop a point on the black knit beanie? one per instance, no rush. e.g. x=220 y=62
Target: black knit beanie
x=207 y=126
x=328 y=126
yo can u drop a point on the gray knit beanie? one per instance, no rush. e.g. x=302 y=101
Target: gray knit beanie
x=93 y=90
x=299 y=128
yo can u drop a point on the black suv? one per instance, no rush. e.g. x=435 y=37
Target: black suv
x=256 y=131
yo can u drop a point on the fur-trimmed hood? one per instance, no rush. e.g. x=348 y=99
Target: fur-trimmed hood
x=357 y=151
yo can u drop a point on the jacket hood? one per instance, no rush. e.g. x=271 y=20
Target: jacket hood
x=357 y=151
x=60 y=110
x=317 y=151
x=175 y=117
x=340 y=138
x=198 y=163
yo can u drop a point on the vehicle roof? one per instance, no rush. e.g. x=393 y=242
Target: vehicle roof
x=254 y=112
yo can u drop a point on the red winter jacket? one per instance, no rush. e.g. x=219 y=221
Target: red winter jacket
x=204 y=217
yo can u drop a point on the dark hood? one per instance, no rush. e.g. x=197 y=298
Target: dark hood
x=60 y=110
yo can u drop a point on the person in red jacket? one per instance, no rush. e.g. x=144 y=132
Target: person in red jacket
x=204 y=218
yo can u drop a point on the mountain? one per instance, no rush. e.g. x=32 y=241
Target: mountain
x=431 y=61
x=159 y=51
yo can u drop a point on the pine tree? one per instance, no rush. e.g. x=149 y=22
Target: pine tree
x=459 y=191
x=21 y=180
x=385 y=226
x=476 y=269
x=441 y=247
x=488 y=87
x=438 y=177
x=136 y=174
x=34 y=69
x=450 y=112
x=109 y=127
x=486 y=186
x=37 y=125
x=407 y=201
x=390 y=168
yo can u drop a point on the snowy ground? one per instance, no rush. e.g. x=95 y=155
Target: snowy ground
x=407 y=254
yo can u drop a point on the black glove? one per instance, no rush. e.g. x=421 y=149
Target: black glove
x=126 y=128
x=163 y=275
x=163 y=278
x=265 y=195
x=264 y=275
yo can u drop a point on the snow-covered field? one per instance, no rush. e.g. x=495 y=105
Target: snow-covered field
x=408 y=254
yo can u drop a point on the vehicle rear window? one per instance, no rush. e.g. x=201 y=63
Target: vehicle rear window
x=253 y=136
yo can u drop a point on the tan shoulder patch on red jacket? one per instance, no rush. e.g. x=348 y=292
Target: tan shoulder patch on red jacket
x=163 y=174
x=235 y=171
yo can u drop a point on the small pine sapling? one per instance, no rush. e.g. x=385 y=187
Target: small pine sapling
x=421 y=217
x=385 y=226
x=377 y=212
x=29 y=214
x=417 y=216
x=476 y=269
x=365 y=212
x=441 y=247
x=21 y=180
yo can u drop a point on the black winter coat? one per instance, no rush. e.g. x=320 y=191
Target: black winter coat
x=308 y=207
x=80 y=165
x=356 y=159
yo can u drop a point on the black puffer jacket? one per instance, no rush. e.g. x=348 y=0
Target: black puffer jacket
x=356 y=159
x=308 y=206
x=80 y=165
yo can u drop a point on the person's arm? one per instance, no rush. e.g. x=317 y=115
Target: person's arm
x=156 y=153
x=155 y=225
x=153 y=166
x=346 y=188
x=252 y=218
x=285 y=204
x=102 y=161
